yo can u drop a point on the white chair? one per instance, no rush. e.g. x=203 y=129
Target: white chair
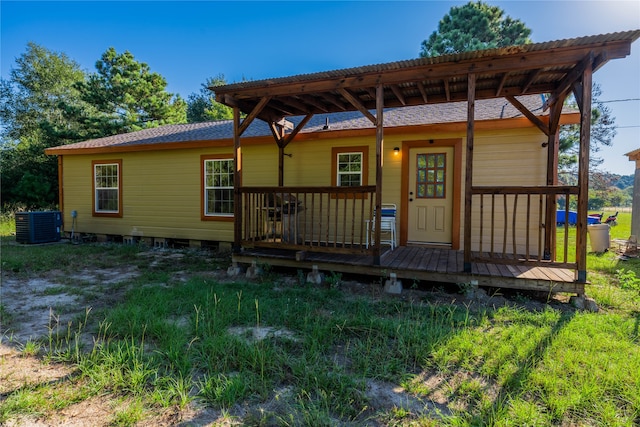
x=387 y=225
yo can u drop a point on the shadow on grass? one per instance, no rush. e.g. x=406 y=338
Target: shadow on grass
x=516 y=383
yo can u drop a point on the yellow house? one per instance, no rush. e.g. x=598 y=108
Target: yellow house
x=434 y=168
x=152 y=184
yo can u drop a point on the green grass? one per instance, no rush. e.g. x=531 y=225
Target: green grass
x=168 y=343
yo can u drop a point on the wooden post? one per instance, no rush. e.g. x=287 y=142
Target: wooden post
x=280 y=166
x=583 y=174
x=379 y=161
x=281 y=145
x=553 y=143
x=237 y=187
x=468 y=182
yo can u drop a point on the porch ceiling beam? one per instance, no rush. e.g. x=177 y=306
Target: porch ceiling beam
x=300 y=106
x=283 y=108
x=358 y=105
x=455 y=96
x=503 y=81
x=311 y=100
x=334 y=100
x=371 y=91
x=253 y=114
x=398 y=93
x=530 y=79
x=528 y=114
x=423 y=92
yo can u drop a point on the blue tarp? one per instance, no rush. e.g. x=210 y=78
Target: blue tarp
x=573 y=217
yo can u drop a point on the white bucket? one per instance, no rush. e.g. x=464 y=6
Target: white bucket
x=599 y=237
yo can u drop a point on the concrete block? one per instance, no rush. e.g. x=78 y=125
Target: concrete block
x=253 y=271
x=315 y=277
x=392 y=285
x=159 y=242
x=235 y=270
x=590 y=305
x=584 y=303
x=577 y=302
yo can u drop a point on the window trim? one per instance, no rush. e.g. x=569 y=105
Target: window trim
x=94 y=210
x=203 y=203
x=335 y=151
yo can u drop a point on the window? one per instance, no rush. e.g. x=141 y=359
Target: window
x=431 y=172
x=217 y=187
x=349 y=170
x=107 y=192
x=349 y=166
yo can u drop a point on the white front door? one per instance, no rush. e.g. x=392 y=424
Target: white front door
x=430 y=213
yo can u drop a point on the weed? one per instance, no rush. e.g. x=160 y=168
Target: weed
x=31 y=348
x=301 y=277
x=628 y=279
x=334 y=280
x=129 y=415
x=223 y=391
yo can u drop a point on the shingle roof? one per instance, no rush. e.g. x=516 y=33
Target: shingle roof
x=453 y=112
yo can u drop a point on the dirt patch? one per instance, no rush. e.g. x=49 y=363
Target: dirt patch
x=256 y=333
x=39 y=306
x=18 y=371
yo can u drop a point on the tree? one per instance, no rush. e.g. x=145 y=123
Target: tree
x=603 y=130
x=481 y=26
x=474 y=26
x=31 y=111
x=127 y=96
x=202 y=106
x=49 y=101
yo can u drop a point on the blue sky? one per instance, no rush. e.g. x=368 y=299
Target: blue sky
x=187 y=42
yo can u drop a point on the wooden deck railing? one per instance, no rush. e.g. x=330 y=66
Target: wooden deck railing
x=510 y=225
x=332 y=219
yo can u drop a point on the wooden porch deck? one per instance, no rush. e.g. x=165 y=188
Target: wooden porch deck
x=424 y=264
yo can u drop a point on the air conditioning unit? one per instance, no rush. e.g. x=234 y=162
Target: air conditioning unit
x=38 y=227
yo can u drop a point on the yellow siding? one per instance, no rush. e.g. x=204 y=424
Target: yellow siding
x=162 y=189
x=160 y=196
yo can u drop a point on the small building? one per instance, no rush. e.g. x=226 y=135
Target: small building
x=468 y=144
x=634 y=156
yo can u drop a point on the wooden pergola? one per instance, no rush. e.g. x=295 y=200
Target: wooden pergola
x=555 y=69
